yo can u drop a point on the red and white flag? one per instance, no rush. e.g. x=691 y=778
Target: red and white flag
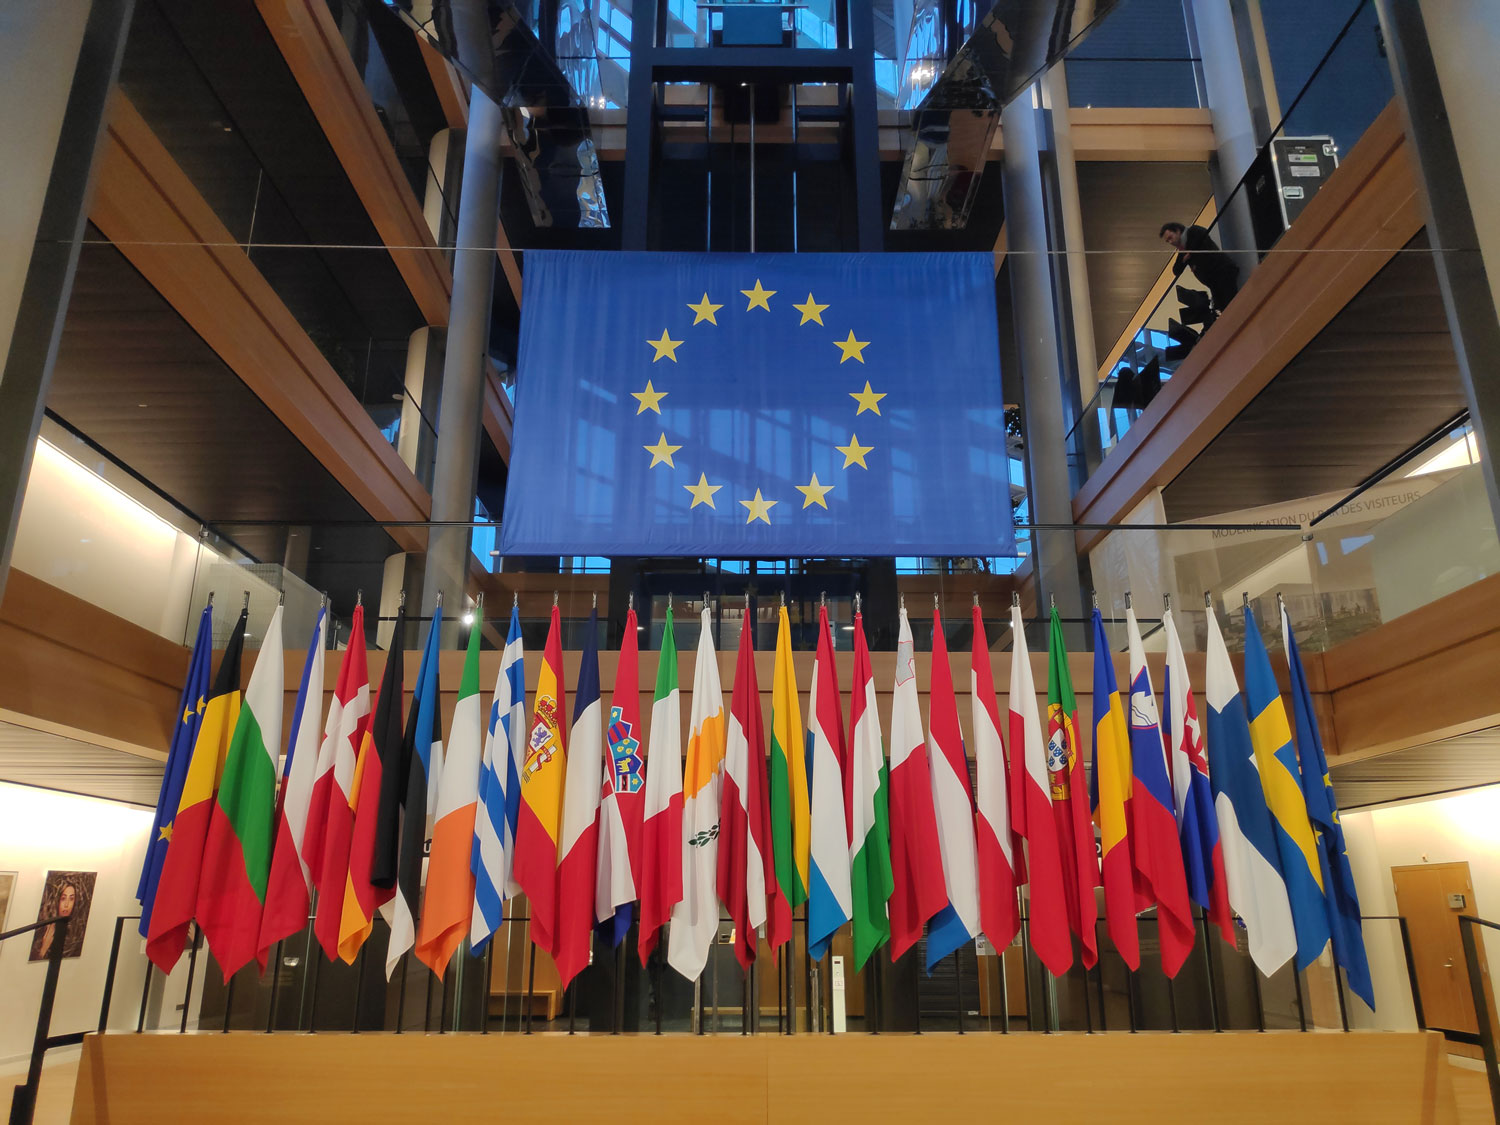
x=661 y=830
x=999 y=916
x=622 y=807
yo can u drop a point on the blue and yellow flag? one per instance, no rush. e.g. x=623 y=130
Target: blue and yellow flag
x=189 y=714
x=1281 y=779
x=759 y=404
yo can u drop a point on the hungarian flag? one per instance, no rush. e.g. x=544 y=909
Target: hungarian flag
x=866 y=800
x=1197 y=824
x=1047 y=888
x=917 y=887
x=330 y=813
x=538 y=825
x=791 y=823
x=1000 y=864
x=177 y=889
x=494 y=848
x=577 y=846
x=379 y=752
x=1153 y=821
x=830 y=898
x=1070 y=799
x=622 y=805
x=695 y=919
x=661 y=828
x=957 y=923
x=423 y=777
x=287 y=889
x=1110 y=792
x=184 y=733
x=448 y=902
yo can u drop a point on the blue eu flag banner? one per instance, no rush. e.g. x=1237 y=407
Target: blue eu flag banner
x=758 y=405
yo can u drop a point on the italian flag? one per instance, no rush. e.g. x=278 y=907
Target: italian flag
x=237 y=853
x=866 y=795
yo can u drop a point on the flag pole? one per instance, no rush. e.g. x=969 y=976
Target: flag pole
x=1208 y=968
x=530 y=984
x=275 y=984
x=489 y=967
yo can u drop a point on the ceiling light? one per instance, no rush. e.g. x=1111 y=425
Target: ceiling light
x=468 y=618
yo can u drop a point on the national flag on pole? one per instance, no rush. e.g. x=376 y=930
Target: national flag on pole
x=1070 y=801
x=1252 y=864
x=1046 y=861
x=1153 y=819
x=917 y=887
x=1110 y=792
x=177 y=888
x=449 y=899
x=578 y=843
x=695 y=919
x=661 y=829
x=791 y=823
x=349 y=896
x=1281 y=780
x=288 y=888
x=1323 y=810
x=494 y=846
x=539 y=823
x=867 y=803
x=623 y=803
x=953 y=802
x=1197 y=825
x=829 y=897
x=423 y=776
x=237 y=851
x=190 y=709
x=1000 y=864
x=747 y=871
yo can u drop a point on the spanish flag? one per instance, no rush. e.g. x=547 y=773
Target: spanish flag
x=540 y=821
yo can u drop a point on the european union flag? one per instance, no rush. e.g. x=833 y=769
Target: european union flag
x=759 y=405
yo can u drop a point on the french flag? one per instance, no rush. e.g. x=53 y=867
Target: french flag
x=578 y=842
x=953 y=802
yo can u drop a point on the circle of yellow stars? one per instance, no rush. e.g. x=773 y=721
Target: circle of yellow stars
x=759 y=507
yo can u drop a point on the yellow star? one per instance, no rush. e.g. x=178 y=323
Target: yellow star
x=703 y=492
x=810 y=311
x=187 y=715
x=704 y=310
x=814 y=492
x=852 y=348
x=867 y=399
x=660 y=452
x=650 y=399
x=164 y=833
x=758 y=509
x=854 y=453
x=202 y=703
x=666 y=346
x=758 y=299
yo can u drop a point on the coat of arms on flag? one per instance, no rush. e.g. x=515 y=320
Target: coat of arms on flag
x=624 y=753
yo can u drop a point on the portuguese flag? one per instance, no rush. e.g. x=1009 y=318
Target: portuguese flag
x=237 y=853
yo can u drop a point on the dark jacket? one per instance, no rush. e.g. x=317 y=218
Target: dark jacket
x=1209 y=264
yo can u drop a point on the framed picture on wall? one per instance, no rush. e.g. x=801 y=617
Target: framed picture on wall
x=7 y=892
x=70 y=893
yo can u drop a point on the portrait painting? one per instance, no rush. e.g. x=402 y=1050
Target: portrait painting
x=70 y=894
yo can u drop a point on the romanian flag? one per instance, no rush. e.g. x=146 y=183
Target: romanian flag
x=578 y=842
x=956 y=924
x=867 y=805
x=177 y=889
x=917 y=887
x=661 y=829
x=997 y=846
x=540 y=821
x=1281 y=779
x=1070 y=799
x=1111 y=801
x=830 y=897
x=349 y=901
x=237 y=852
x=791 y=824
x=447 y=905
x=623 y=803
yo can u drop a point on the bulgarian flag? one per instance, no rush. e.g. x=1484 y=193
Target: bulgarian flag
x=661 y=829
x=791 y=825
x=917 y=887
x=237 y=852
x=177 y=890
x=866 y=794
x=622 y=805
x=998 y=849
x=1070 y=799
x=578 y=842
x=448 y=905
x=540 y=821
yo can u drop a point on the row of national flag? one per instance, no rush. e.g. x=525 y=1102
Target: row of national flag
x=369 y=812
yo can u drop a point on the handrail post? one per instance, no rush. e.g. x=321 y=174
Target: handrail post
x=1411 y=975
x=109 y=974
x=1466 y=924
x=23 y=1102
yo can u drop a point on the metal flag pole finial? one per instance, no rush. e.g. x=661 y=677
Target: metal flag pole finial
x=935 y=603
x=1051 y=601
x=594 y=600
x=783 y=599
x=401 y=604
x=1245 y=598
x=246 y=607
x=858 y=601
x=1208 y=599
x=479 y=602
x=1280 y=601
x=1094 y=598
x=1166 y=600
x=281 y=597
x=901 y=602
x=823 y=599
x=1015 y=598
x=440 y=600
x=705 y=599
x=554 y=599
x=210 y=599
x=359 y=597
x=1127 y=600
x=515 y=599
x=630 y=601
x=976 y=599
x=669 y=599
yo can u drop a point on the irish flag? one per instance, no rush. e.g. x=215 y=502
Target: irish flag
x=661 y=830
x=577 y=846
x=866 y=795
x=539 y=823
x=1000 y=867
x=237 y=853
x=830 y=898
x=791 y=824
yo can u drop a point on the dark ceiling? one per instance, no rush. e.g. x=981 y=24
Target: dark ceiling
x=1380 y=377
x=1422 y=771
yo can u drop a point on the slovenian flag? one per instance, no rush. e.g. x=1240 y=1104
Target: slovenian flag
x=577 y=846
x=499 y=804
x=867 y=798
x=1000 y=866
x=829 y=896
x=539 y=823
x=661 y=828
x=1110 y=793
x=622 y=805
x=953 y=802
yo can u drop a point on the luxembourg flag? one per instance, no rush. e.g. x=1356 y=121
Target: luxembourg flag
x=996 y=843
x=830 y=899
x=621 y=808
x=661 y=828
x=494 y=846
x=1202 y=854
x=578 y=844
x=953 y=802
x=1153 y=821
